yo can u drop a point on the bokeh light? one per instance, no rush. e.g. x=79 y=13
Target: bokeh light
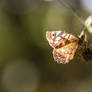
x=26 y=59
x=20 y=76
x=87 y=5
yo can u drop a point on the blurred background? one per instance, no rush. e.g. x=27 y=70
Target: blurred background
x=26 y=61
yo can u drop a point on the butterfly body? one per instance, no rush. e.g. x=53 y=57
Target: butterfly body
x=65 y=45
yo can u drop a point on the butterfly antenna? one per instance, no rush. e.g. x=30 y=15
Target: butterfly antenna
x=72 y=10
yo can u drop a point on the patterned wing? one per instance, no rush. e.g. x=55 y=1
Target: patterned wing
x=59 y=39
x=65 y=54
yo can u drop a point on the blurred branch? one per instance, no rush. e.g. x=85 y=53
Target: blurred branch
x=72 y=10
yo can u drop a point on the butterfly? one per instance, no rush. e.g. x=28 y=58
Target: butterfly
x=66 y=45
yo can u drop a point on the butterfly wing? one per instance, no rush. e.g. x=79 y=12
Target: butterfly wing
x=65 y=54
x=59 y=39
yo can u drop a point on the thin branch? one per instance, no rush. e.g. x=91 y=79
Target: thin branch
x=72 y=10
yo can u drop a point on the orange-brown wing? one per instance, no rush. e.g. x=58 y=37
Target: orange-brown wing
x=65 y=54
x=58 y=38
